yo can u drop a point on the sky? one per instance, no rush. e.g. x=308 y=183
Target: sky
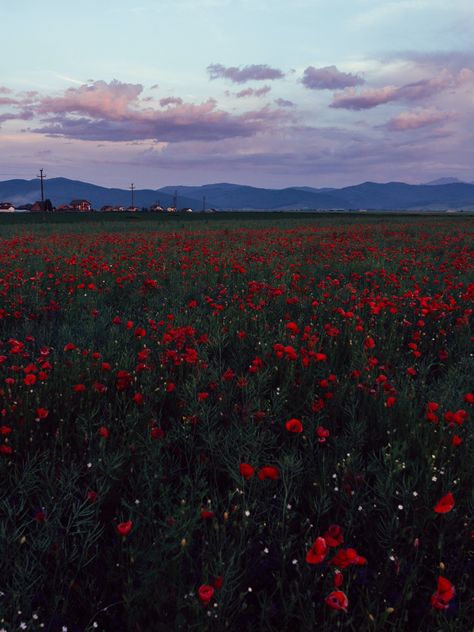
x=271 y=93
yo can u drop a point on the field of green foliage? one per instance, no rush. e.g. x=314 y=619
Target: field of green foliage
x=237 y=422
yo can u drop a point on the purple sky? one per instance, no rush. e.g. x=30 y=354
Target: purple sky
x=276 y=94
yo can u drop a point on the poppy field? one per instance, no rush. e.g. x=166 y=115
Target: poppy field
x=237 y=424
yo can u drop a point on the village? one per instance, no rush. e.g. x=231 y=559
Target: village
x=84 y=206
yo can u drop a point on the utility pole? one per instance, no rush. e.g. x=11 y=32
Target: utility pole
x=175 y=200
x=132 y=189
x=203 y=203
x=42 y=177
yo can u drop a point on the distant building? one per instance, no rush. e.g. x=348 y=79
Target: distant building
x=81 y=205
x=186 y=209
x=37 y=207
x=171 y=209
x=132 y=209
x=156 y=208
x=6 y=207
x=65 y=207
x=108 y=208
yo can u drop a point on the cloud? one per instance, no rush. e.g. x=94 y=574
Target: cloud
x=253 y=92
x=179 y=124
x=25 y=115
x=4 y=90
x=329 y=78
x=114 y=112
x=170 y=101
x=414 y=119
x=8 y=101
x=284 y=103
x=350 y=100
x=253 y=72
x=416 y=91
x=111 y=100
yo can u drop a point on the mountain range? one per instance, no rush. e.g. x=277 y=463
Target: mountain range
x=442 y=194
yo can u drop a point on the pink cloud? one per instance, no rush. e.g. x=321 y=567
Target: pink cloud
x=113 y=111
x=350 y=100
x=255 y=72
x=416 y=91
x=112 y=100
x=414 y=119
x=329 y=78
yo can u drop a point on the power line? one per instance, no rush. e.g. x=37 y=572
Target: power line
x=42 y=177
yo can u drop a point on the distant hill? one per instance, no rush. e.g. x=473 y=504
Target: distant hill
x=234 y=196
x=63 y=190
x=226 y=196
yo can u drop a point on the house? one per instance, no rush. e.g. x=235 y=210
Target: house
x=81 y=205
x=186 y=209
x=37 y=207
x=156 y=208
x=6 y=207
x=132 y=209
x=65 y=207
x=171 y=209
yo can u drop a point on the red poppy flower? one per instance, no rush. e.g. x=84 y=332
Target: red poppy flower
x=41 y=413
x=347 y=557
x=294 y=425
x=334 y=536
x=124 y=528
x=104 y=432
x=269 y=471
x=443 y=595
x=205 y=593
x=207 y=515
x=322 y=434
x=317 y=552
x=445 y=504
x=369 y=343
x=293 y=328
x=246 y=470
x=337 y=600
x=157 y=433
x=456 y=440
x=219 y=580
